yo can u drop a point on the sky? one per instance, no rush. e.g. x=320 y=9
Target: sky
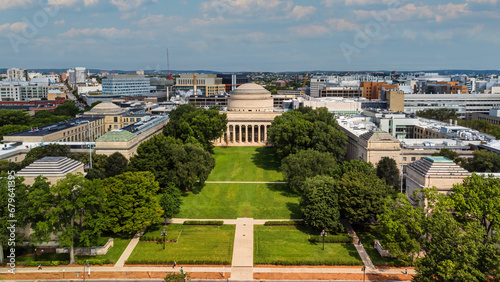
x=251 y=35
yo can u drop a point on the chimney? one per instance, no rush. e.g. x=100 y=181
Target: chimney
x=451 y=121
x=195 y=84
x=456 y=122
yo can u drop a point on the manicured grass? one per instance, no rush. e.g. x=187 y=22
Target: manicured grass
x=113 y=254
x=289 y=245
x=196 y=244
x=226 y=201
x=245 y=164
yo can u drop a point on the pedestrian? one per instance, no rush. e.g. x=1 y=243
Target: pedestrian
x=40 y=266
x=175 y=264
x=182 y=271
x=406 y=271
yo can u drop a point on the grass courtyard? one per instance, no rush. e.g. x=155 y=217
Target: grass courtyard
x=196 y=245
x=289 y=245
x=233 y=200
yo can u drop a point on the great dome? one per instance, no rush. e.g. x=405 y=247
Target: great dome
x=250 y=97
x=106 y=108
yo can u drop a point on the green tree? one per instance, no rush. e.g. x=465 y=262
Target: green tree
x=484 y=161
x=6 y=166
x=176 y=277
x=171 y=201
x=99 y=161
x=298 y=167
x=12 y=207
x=307 y=128
x=361 y=195
x=11 y=129
x=116 y=163
x=50 y=150
x=180 y=164
x=445 y=152
x=43 y=118
x=131 y=202
x=387 y=169
x=320 y=205
x=67 y=108
x=204 y=125
x=478 y=198
x=71 y=209
x=14 y=117
x=439 y=114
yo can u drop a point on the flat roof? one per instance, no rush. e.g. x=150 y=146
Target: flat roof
x=439 y=159
x=49 y=129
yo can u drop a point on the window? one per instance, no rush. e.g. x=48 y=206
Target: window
x=116 y=119
x=116 y=126
x=131 y=119
x=404 y=159
x=413 y=159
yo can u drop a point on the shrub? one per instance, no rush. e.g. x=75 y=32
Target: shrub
x=339 y=238
x=168 y=262
x=94 y=261
x=197 y=222
x=283 y=223
x=331 y=261
x=45 y=263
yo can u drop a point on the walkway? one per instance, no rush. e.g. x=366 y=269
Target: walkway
x=242 y=264
x=128 y=251
x=359 y=247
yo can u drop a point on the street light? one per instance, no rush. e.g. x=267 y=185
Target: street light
x=364 y=270
x=164 y=234
x=324 y=234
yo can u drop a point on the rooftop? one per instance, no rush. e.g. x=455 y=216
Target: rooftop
x=50 y=166
x=439 y=159
x=49 y=129
x=250 y=88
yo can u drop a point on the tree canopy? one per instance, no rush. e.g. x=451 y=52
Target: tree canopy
x=439 y=114
x=188 y=121
x=306 y=128
x=115 y=164
x=68 y=108
x=14 y=117
x=320 y=204
x=182 y=165
x=50 y=150
x=131 y=202
x=484 y=161
x=387 y=169
x=171 y=201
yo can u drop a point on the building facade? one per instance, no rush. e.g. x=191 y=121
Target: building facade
x=131 y=85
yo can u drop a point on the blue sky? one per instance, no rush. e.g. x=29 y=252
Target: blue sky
x=251 y=35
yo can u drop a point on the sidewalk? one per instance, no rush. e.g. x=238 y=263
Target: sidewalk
x=130 y=248
x=242 y=264
x=361 y=250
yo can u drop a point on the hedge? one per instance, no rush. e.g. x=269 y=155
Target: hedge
x=340 y=238
x=283 y=223
x=152 y=238
x=197 y=222
x=65 y=262
x=168 y=262
x=330 y=261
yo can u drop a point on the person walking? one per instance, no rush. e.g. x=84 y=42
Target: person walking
x=406 y=271
x=40 y=266
x=182 y=271
x=175 y=264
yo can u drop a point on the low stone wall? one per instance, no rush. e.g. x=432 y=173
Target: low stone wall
x=91 y=251
x=380 y=249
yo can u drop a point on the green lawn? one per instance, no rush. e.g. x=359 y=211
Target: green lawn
x=226 y=201
x=245 y=164
x=289 y=245
x=196 y=245
x=113 y=254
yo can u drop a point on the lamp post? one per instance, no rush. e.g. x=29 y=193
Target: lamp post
x=324 y=234
x=164 y=234
x=90 y=145
x=364 y=270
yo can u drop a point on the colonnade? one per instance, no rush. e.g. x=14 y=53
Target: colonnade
x=242 y=133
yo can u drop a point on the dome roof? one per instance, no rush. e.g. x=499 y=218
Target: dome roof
x=250 y=88
x=106 y=108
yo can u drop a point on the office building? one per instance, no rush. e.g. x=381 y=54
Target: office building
x=232 y=81
x=17 y=74
x=131 y=85
x=80 y=75
x=200 y=84
x=372 y=90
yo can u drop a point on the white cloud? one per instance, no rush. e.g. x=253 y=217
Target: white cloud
x=310 y=30
x=333 y=3
x=451 y=33
x=300 y=12
x=111 y=33
x=61 y=22
x=244 y=7
x=7 y=4
x=340 y=24
x=14 y=27
x=69 y=3
x=126 y=5
x=493 y=2
x=410 y=34
x=410 y=11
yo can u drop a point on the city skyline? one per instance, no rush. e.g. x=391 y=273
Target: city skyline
x=250 y=35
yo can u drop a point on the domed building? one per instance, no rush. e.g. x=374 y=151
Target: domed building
x=250 y=113
x=250 y=97
x=105 y=109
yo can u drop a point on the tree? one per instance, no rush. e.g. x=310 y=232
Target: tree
x=401 y=228
x=204 y=125
x=307 y=128
x=6 y=166
x=439 y=114
x=361 y=195
x=68 y=108
x=14 y=117
x=320 y=205
x=478 y=198
x=116 y=163
x=12 y=207
x=445 y=152
x=11 y=129
x=70 y=209
x=131 y=202
x=484 y=161
x=171 y=162
x=99 y=161
x=171 y=201
x=176 y=277
x=93 y=173
x=298 y=167
x=42 y=118
x=51 y=150
x=387 y=169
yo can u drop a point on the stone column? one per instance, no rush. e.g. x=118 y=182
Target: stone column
x=259 y=133
x=240 y=133
x=265 y=133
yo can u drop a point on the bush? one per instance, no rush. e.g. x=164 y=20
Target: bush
x=45 y=263
x=94 y=261
x=151 y=238
x=196 y=222
x=169 y=262
x=339 y=238
x=331 y=261
x=283 y=223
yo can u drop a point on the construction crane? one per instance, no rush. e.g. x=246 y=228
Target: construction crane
x=304 y=85
x=168 y=67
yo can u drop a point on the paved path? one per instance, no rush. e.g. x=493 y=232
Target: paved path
x=244 y=182
x=128 y=251
x=361 y=250
x=242 y=264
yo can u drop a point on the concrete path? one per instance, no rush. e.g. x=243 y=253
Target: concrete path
x=242 y=265
x=359 y=247
x=128 y=251
x=243 y=182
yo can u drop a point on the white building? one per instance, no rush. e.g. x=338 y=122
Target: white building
x=80 y=75
x=16 y=74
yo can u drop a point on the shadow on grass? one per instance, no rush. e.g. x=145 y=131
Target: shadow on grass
x=266 y=159
x=283 y=189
